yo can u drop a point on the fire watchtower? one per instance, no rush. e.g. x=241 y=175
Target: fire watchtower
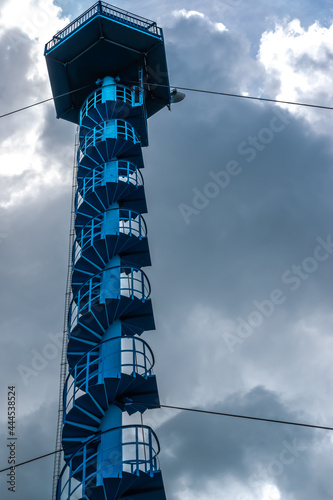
x=108 y=75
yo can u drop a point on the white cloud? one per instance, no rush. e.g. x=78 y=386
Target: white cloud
x=187 y=14
x=299 y=67
x=37 y=22
x=271 y=492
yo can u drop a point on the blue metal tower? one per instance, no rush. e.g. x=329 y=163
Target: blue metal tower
x=105 y=66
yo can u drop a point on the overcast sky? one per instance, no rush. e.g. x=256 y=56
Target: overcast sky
x=241 y=239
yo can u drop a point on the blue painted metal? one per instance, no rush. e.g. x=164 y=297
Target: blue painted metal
x=107 y=41
x=112 y=53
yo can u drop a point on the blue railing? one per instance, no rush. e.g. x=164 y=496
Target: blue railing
x=121 y=129
x=139 y=451
x=131 y=223
x=136 y=358
x=102 y=8
x=129 y=95
x=127 y=172
x=130 y=282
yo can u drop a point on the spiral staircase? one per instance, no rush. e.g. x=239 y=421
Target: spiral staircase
x=110 y=366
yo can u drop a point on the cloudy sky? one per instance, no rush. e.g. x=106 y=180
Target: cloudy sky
x=240 y=210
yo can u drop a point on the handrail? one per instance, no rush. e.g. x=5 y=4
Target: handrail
x=128 y=172
x=149 y=464
x=95 y=177
x=142 y=362
x=109 y=11
x=129 y=95
x=131 y=223
x=91 y=291
x=122 y=129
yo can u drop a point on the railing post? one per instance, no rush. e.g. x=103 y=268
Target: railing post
x=137 y=449
x=128 y=171
x=84 y=470
x=133 y=355
x=150 y=453
x=87 y=372
x=132 y=282
x=70 y=479
x=144 y=358
x=90 y=294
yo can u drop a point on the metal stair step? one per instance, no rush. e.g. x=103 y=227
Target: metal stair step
x=85 y=165
x=102 y=195
x=145 y=487
x=98 y=393
x=130 y=248
x=138 y=323
x=125 y=383
x=89 y=334
x=91 y=258
x=144 y=393
x=88 y=402
x=95 y=493
x=111 y=387
x=127 y=308
x=71 y=432
x=80 y=415
x=96 y=113
x=99 y=312
x=91 y=321
x=88 y=122
x=111 y=487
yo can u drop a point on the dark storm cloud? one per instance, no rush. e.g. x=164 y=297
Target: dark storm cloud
x=263 y=222
x=56 y=143
x=252 y=19
x=33 y=256
x=208 y=61
x=13 y=184
x=33 y=269
x=308 y=63
x=204 y=448
x=232 y=252
x=16 y=90
x=235 y=250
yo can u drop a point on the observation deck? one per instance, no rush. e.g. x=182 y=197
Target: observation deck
x=107 y=41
